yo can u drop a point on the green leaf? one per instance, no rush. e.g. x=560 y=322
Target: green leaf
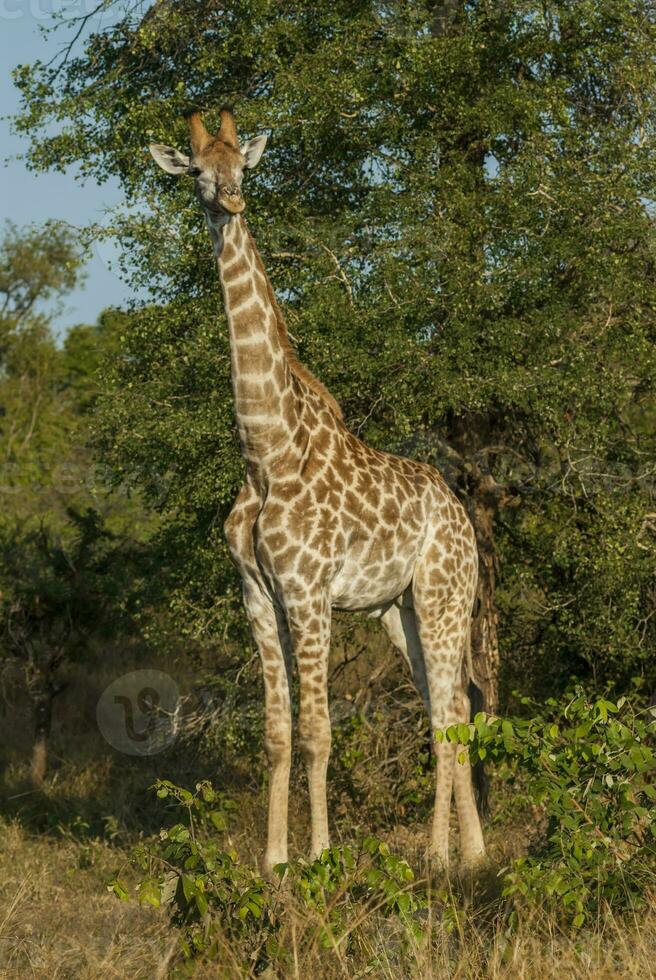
x=149 y=893
x=118 y=889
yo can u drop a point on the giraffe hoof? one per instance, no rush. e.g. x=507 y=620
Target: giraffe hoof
x=274 y=869
x=438 y=861
x=473 y=862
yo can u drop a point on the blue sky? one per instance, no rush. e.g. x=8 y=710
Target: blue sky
x=27 y=197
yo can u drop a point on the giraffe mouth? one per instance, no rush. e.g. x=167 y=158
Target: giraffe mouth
x=232 y=203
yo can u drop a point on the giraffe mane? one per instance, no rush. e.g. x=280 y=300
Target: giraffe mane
x=297 y=367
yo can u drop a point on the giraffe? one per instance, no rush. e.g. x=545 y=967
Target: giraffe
x=325 y=522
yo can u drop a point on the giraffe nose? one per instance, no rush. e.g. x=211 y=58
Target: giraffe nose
x=230 y=198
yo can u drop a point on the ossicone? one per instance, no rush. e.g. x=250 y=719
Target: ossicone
x=228 y=130
x=199 y=137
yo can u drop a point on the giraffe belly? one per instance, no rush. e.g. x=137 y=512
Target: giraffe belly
x=364 y=585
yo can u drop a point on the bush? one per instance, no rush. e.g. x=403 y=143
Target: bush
x=216 y=901
x=585 y=765
x=589 y=766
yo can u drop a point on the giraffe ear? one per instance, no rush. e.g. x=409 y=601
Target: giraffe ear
x=169 y=159
x=253 y=150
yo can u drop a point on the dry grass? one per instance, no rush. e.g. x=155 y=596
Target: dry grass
x=60 y=846
x=57 y=919
x=536 y=952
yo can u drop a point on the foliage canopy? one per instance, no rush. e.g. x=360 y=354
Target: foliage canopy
x=457 y=208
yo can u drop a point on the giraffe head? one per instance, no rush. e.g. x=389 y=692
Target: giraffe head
x=217 y=163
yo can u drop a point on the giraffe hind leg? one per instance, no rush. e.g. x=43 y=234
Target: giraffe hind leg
x=443 y=631
x=472 y=845
x=400 y=622
x=400 y=625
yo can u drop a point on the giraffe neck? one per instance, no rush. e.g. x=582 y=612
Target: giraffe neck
x=265 y=401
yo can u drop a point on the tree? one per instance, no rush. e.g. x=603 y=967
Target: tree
x=68 y=571
x=37 y=267
x=56 y=595
x=456 y=208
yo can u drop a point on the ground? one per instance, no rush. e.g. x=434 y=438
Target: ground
x=62 y=844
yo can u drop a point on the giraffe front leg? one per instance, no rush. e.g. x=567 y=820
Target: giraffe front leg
x=309 y=627
x=269 y=633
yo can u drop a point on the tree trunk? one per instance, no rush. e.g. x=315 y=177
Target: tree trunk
x=444 y=14
x=482 y=501
x=482 y=498
x=43 y=686
x=478 y=491
x=42 y=701
x=482 y=507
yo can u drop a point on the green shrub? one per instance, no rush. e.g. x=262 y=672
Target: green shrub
x=589 y=766
x=214 y=900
